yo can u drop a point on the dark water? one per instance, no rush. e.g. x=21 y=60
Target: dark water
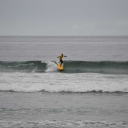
x=91 y=92
x=109 y=67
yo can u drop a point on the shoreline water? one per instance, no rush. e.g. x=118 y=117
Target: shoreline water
x=54 y=109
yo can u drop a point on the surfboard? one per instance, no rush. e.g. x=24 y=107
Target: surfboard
x=60 y=68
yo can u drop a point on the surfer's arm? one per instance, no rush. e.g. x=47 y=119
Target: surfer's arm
x=65 y=56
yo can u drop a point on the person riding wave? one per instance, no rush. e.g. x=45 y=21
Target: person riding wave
x=60 y=58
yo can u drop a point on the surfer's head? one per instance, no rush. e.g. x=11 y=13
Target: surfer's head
x=62 y=54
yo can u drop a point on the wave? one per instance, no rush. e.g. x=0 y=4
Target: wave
x=63 y=82
x=64 y=123
x=109 y=67
x=68 y=92
x=24 y=66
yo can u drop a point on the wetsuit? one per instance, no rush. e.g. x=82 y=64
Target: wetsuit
x=61 y=61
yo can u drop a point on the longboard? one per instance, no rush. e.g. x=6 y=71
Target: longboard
x=61 y=68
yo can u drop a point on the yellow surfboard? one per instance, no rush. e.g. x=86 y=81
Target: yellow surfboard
x=61 y=68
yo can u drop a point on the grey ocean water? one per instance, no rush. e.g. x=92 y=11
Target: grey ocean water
x=76 y=48
x=92 y=91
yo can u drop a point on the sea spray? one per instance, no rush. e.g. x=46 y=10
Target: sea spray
x=51 y=67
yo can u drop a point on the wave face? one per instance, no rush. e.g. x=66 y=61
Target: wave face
x=108 y=67
x=25 y=66
x=97 y=67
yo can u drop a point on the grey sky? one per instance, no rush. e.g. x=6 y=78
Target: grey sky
x=64 y=17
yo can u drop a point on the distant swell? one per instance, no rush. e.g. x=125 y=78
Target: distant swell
x=65 y=91
x=109 y=67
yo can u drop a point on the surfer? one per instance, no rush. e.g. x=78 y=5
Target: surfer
x=61 y=56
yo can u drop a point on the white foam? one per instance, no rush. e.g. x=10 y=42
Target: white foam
x=57 y=82
x=51 y=67
x=61 y=124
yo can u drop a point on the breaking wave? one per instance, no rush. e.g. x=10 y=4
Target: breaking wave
x=109 y=67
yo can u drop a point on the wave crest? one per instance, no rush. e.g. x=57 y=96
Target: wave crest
x=109 y=67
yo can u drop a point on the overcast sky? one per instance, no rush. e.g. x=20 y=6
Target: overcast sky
x=63 y=17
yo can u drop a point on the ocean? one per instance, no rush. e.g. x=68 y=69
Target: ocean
x=91 y=92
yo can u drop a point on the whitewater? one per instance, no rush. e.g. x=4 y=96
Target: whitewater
x=92 y=91
x=21 y=77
